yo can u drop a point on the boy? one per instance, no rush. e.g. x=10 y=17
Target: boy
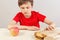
x=29 y=20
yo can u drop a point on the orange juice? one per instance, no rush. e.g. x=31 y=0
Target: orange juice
x=14 y=31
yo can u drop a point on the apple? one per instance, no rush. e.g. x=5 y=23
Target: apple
x=14 y=31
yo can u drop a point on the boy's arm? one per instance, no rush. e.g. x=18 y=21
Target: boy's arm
x=21 y=27
x=11 y=24
x=51 y=25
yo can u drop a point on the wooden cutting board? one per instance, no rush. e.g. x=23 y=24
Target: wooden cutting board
x=52 y=35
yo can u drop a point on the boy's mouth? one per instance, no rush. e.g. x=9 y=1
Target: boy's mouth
x=25 y=13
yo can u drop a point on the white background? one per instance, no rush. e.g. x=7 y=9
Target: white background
x=50 y=8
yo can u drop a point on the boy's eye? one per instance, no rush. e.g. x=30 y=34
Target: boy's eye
x=27 y=7
x=22 y=7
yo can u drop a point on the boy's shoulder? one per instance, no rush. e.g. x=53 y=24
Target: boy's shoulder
x=36 y=12
x=19 y=13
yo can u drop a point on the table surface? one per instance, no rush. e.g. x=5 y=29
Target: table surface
x=23 y=35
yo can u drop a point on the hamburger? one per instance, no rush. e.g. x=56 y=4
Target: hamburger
x=39 y=36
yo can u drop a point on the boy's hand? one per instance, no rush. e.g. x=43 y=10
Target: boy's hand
x=50 y=23
x=50 y=28
x=33 y=28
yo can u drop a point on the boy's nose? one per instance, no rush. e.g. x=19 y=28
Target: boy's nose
x=25 y=10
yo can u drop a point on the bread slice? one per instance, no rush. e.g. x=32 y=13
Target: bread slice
x=39 y=36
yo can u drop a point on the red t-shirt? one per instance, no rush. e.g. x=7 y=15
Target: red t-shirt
x=32 y=21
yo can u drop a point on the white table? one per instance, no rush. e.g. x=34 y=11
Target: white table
x=23 y=35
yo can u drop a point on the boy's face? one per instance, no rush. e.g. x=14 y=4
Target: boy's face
x=26 y=8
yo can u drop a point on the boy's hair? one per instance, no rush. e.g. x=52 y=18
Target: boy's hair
x=20 y=2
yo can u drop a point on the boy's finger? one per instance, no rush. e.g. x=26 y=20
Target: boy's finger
x=51 y=28
x=47 y=29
